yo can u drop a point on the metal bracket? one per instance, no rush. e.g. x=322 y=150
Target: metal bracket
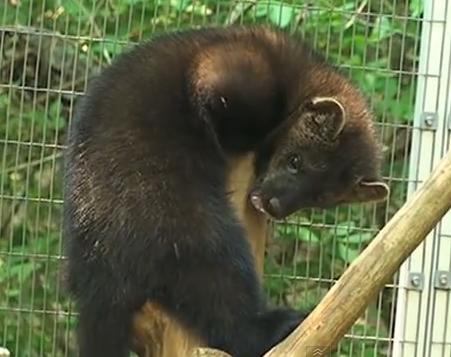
x=415 y=281
x=442 y=279
x=428 y=120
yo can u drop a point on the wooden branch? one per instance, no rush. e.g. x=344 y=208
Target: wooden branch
x=366 y=276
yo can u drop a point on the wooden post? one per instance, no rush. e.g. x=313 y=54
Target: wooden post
x=364 y=278
x=155 y=334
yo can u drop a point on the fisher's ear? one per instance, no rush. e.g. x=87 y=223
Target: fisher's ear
x=368 y=191
x=329 y=115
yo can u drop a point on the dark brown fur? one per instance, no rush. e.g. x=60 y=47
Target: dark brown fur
x=147 y=211
x=332 y=135
x=155 y=333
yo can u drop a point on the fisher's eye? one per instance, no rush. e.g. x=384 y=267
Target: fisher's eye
x=294 y=164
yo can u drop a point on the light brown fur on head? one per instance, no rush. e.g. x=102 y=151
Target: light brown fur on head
x=213 y=64
x=238 y=52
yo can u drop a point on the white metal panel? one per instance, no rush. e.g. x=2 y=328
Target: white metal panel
x=423 y=321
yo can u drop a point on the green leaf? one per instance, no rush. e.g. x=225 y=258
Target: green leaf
x=382 y=29
x=73 y=8
x=346 y=253
x=299 y=233
x=261 y=10
x=416 y=7
x=378 y=63
x=344 y=228
x=12 y=293
x=201 y=9
x=357 y=238
x=281 y=14
x=22 y=271
x=285 y=229
x=275 y=285
x=306 y=235
x=238 y=11
x=180 y=4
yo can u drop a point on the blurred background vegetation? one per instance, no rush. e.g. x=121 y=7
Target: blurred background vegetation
x=48 y=51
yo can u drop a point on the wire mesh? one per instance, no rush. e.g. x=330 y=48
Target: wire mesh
x=50 y=48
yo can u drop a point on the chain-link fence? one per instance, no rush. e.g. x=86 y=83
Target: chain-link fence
x=396 y=51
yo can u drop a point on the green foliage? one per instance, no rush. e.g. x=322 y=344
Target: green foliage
x=376 y=44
